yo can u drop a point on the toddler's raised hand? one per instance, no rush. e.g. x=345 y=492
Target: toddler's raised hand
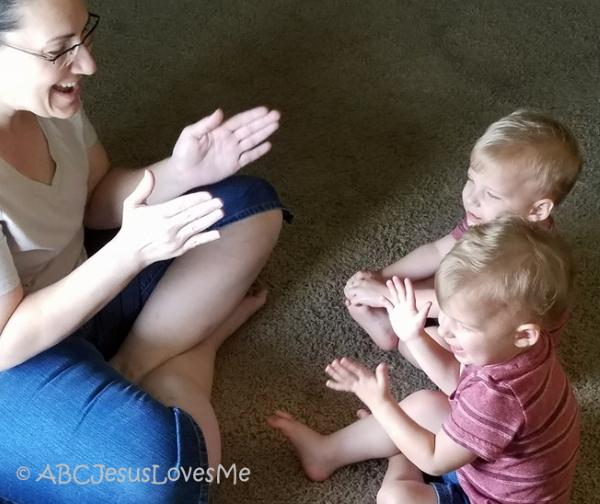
x=349 y=376
x=407 y=322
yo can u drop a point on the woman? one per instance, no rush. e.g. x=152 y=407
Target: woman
x=157 y=300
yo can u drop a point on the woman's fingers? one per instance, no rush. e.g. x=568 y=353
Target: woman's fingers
x=141 y=192
x=186 y=203
x=250 y=120
x=199 y=224
x=253 y=138
x=254 y=154
x=203 y=126
x=199 y=239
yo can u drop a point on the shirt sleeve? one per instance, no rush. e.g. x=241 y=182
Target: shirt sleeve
x=485 y=418
x=9 y=277
x=458 y=232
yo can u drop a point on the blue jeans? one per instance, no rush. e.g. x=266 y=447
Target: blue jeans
x=73 y=430
x=448 y=489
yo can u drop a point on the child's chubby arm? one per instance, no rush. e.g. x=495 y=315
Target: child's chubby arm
x=408 y=323
x=434 y=454
x=368 y=287
x=422 y=262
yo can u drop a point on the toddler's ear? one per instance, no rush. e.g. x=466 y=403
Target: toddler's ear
x=527 y=335
x=540 y=210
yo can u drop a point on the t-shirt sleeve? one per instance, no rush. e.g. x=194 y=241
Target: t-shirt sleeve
x=89 y=133
x=484 y=418
x=458 y=232
x=9 y=277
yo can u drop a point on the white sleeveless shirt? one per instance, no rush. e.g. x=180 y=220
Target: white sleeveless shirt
x=41 y=235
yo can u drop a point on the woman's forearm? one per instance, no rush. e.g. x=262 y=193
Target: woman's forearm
x=105 y=207
x=46 y=317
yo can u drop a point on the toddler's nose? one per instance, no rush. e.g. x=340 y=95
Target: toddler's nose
x=472 y=199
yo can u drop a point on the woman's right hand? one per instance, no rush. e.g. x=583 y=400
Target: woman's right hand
x=156 y=232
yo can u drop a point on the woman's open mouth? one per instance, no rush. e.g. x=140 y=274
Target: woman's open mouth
x=66 y=87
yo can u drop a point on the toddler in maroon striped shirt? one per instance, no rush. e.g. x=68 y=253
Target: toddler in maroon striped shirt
x=504 y=429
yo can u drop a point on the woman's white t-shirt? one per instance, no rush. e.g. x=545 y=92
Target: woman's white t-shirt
x=41 y=235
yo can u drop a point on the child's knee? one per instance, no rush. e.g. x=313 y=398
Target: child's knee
x=394 y=492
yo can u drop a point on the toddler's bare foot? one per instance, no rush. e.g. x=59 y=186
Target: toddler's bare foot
x=312 y=451
x=376 y=323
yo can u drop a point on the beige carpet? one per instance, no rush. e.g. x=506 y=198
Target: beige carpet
x=381 y=102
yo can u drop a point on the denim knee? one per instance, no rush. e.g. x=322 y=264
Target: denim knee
x=244 y=196
x=75 y=431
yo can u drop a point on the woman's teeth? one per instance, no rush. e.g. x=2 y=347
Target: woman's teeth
x=66 y=87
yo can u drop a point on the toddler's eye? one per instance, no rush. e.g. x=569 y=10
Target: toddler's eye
x=493 y=196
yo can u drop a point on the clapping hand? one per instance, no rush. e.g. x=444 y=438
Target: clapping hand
x=212 y=150
x=407 y=322
x=165 y=230
x=349 y=376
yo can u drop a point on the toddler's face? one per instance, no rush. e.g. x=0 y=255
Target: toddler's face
x=478 y=332
x=493 y=188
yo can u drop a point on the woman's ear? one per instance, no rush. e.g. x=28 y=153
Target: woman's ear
x=540 y=210
x=527 y=335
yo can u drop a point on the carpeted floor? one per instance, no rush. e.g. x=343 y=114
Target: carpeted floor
x=381 y=102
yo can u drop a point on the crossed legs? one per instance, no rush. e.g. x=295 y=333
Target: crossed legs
x=201 y=300
x=197 y=294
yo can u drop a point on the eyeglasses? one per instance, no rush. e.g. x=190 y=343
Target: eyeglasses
x=66 y=57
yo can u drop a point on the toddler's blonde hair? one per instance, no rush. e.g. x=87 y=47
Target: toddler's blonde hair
x=522 y=267
x=532 y=141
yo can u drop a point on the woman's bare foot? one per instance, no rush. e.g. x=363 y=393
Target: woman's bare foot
x=310 y=446
x=376 y=323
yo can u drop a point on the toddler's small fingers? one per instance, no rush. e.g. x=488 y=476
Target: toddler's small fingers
x=283 y=414
x=382 y=374
x=352 y=368
x=333 y=371
x=363 y=413
x=332 y=384
x=424 y=311
x=399 y=286
x=392 y=291
x=386 y=303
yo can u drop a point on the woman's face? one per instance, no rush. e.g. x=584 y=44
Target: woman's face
x=30 y=83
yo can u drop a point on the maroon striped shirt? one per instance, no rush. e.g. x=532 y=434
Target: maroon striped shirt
x=521 y=419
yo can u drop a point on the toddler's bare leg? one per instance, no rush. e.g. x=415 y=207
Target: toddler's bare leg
x=320 y=455
x=433 y=333
x=425 y=293
x=403 y=482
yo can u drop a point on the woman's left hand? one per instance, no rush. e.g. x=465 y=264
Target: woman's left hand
x=212 y=150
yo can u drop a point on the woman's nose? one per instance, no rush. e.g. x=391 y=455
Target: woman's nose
x=84 y=62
